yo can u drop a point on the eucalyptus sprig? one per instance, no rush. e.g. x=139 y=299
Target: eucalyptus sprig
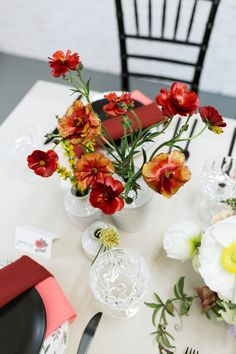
x=179 y=305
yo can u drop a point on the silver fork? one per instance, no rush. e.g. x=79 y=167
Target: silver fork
x=191 y=351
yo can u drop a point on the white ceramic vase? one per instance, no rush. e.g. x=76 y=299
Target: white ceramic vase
x=90 y=241
x=79 y=210
x=133 y=217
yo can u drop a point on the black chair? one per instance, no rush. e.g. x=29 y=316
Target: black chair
x=138 y=35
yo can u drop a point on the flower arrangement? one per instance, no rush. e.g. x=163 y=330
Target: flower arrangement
x=93 y=170
x=213 y=255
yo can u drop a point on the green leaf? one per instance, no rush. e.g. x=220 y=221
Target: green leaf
x=169 y=335
x=122 y=147
x=176 y=292
x=151 y=305
x=144 y=156
x=163 y=316
x=88 y=83
x=155 y=312
x=165 y=341
x=184 y=309
x=181 y=286
x=158 y=298
x=178 y=147
x=170 y=308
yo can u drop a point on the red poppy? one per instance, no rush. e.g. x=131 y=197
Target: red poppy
x=212 y=118
x=43 y=163
x=80 y=124
x=179 y=100
x=118 y=105
x=61 y=63
x=106 y=196
x=166 y=173
x=91 y=168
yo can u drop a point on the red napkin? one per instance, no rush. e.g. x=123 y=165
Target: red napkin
x=148 y=115
x=18 y=277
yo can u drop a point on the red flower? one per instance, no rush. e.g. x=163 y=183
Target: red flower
x=118 y=105
x=212 y=118
x=43 y=163
x=80 y=124
x=166 y=173
x=105 y=195
x=61 y=63
x=91 y=168
x=179 y=100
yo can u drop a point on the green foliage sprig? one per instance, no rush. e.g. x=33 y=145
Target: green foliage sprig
x=179 y=305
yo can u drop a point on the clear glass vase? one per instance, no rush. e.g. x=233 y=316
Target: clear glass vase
x=217 y=183
x=133 y=217
x=119 y=279
x=79 y=210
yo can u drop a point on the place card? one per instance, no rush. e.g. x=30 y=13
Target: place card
x=34 y=241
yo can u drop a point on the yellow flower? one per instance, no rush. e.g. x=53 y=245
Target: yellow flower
x=109 y=237
x=63 y=172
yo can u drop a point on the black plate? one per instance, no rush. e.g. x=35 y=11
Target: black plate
x=23 y=324
x=97 y=106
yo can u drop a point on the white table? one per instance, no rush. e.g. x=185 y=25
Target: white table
x=41 y=205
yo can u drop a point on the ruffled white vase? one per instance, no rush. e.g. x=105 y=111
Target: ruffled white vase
x=133 y=217
x=79 y=210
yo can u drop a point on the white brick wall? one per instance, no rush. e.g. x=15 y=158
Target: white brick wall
x=37 y=28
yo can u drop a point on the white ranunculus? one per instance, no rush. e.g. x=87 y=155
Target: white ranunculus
x=181 y=240
x=217 y=256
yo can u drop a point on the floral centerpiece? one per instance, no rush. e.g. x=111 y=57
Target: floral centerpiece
x=213 y=255
x=105 y=170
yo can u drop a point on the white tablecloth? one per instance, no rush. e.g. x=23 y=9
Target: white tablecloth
x=41 y=205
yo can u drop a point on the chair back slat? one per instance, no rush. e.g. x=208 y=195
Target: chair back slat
x=189 y=29
x=202 y=53
x=191 y=20
x=136 y=16
x=163 y=19
x=150 y=18
x=177 y=18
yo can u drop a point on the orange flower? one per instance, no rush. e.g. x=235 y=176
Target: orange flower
x=91 y=168
x=80 y=124
x=166 y=173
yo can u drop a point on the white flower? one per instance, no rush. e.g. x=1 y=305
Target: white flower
x=229 y=315
x=181 y=240
x=217 y=256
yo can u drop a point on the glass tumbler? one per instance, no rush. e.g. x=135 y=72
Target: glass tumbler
x=119 y=279
x=217 y=183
